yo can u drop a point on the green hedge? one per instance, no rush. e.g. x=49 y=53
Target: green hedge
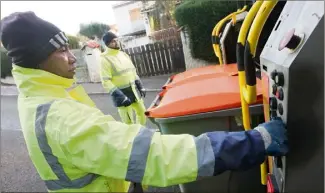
x=199 y=18
x=6 y=65
x=73 y=42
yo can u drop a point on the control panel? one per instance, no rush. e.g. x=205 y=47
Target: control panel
x=293 y=61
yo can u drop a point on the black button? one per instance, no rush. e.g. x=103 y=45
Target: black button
x=274 y=89
x=273 y=103
x=273 y=114
x=279 y=79
x=280 y=94
x=273 y=74
x=278 y=161
x=280 y=109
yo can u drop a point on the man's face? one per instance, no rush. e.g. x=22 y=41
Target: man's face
x=114 y=44
x=61 y=62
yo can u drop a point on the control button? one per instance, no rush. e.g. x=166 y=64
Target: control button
x=278 y=161
x=273 y=103
x=273 y=114
x=272 y=185
x=280 y=109
x=290 y=40
x=274 y=89
x=279 y=79
x=279 y=94
x=273 y=74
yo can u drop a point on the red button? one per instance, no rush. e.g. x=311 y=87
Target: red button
x=286 y=39
x=270 y=188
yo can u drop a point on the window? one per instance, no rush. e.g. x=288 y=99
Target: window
x=135 y=14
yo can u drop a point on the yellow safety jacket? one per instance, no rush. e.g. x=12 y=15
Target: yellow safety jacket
x=117 y=71
x=76 y=148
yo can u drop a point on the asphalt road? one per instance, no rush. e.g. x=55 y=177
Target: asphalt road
x=17 y=172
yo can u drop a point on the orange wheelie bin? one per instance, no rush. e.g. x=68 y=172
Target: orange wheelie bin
x=211 y=104
x=206 y=72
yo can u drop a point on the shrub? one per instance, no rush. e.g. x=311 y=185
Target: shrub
x=199 y=17
x=73 y=42
x=6 y=65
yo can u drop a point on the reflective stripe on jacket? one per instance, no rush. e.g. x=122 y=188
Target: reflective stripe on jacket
x=117 y=71
x=76 y=148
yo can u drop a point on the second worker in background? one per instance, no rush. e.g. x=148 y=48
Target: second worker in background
x=119 y=78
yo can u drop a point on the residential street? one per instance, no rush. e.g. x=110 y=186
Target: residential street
x=17 y=172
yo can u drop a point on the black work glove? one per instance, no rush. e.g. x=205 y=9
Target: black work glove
x=140 y=88
x=119 y=99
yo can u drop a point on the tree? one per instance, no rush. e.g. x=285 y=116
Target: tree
x=73 y=42
x=162 y=16
x=93 y=29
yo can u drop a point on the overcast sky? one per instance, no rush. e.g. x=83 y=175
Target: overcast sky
x=67 y=15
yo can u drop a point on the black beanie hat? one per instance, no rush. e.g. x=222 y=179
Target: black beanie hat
x=30 y=39
x=108 y=37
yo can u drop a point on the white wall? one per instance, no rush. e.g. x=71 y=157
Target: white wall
x=92 y=57
x=136 y=42
x=123 y=22
x=147 y=23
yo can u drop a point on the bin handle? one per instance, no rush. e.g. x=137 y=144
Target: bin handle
x=216 y=33
x=249 y=91
x=241 y=73
x=154 y=102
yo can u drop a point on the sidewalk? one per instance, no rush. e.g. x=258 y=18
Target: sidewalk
x=152 y=84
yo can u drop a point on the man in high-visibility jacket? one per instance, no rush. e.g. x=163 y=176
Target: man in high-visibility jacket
x=76 y=148
x=120 y=79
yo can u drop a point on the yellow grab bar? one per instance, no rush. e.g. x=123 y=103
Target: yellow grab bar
x=249 y=91
x=248 y=86
x=240 y=59
x=241 y=73
x=216 y=33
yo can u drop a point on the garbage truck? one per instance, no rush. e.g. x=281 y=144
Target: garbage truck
x=280 y=73
x=292 y=70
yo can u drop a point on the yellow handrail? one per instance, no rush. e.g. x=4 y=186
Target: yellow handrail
x=216 y=32
x=246 y=68
x=240 y=60
x=241 y=73
x=249 y=91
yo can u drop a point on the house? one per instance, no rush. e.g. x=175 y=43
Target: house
x=130 y=24
x=158 y=20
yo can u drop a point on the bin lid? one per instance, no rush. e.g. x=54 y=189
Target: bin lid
x=206 y=95
x=205 y=72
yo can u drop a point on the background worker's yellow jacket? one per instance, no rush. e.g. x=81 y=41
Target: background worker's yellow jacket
x=118 y=72
x=76 y=148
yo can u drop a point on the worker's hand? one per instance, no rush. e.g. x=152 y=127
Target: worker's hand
x=274 y=136
x=119 y=99
x=126 y=102
x=143 y=93
x=140 y=88
x=92 y=44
